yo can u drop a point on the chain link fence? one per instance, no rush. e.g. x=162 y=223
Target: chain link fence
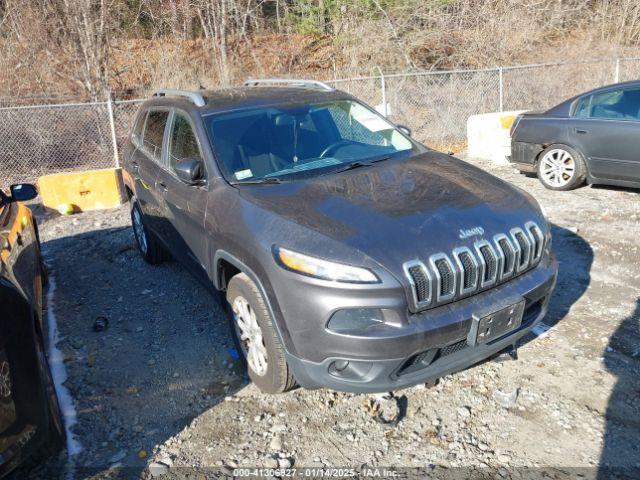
x=436 y=105
x=44 y=139
x=39 y=140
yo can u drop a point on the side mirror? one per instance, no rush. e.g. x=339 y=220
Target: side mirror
x=22 y=192
x=404 y=129
x=189 y=170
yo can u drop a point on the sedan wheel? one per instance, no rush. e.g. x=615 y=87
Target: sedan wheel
x=561 y=168
x=558 y=167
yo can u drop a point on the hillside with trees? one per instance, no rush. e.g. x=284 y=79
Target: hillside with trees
x=82 y=49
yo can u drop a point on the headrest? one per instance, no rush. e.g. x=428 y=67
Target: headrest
x=284 y=120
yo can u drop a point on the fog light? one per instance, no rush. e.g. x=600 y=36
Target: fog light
x=355 y=371
x=340 y=365
x=355 y=319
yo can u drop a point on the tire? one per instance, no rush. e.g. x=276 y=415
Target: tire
x=560 y=167
x=56 y=436
x=272 y=375
x=149 y=246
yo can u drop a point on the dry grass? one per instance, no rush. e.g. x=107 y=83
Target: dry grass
x=40 y=55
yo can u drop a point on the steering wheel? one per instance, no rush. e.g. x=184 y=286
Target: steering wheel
x=334 y=146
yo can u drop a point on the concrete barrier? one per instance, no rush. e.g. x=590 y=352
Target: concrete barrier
x=80 y=191
x=488 y=136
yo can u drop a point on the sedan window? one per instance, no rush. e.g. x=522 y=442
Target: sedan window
x=623 y=104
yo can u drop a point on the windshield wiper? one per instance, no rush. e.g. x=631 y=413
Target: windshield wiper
x=362 y=163
x=379 y=159
x=259 y=181
x=353 y=166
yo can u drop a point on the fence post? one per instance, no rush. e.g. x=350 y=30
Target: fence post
x=383 y=86
x=617 y=74
x=501 y=81
x=112 y=124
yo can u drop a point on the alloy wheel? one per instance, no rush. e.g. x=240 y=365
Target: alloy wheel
x=250 y=336
x=557 y=167
x=138 y=230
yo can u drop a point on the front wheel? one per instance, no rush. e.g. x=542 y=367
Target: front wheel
x=561 y=168
x=148 y=245
x=256 y=337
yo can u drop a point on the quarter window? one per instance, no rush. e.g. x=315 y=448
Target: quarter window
x=154 y=132
x=184 y=143
x=583 y=110
x=136 y=136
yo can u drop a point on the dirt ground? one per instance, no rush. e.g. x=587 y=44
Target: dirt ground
x=160 y=392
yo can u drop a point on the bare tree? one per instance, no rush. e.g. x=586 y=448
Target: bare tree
x=84 y=24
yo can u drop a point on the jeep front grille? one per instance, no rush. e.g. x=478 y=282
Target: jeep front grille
x=537 y=239
x=489 y=263
x=468 y=267
x=523 y=247
x=508 y=253
x=420 y=280
x=445 y=273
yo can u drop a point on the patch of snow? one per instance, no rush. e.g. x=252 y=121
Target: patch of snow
x=59 y=374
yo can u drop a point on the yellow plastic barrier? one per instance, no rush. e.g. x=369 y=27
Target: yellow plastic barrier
x=507 y=120
x=80 y=191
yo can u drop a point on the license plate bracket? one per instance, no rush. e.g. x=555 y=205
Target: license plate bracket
x=496 y=324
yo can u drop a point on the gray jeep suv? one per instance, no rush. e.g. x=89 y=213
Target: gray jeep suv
x=351 y=256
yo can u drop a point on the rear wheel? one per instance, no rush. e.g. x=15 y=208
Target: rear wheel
x=148 y=245
x=256 y=337
x=561 y=168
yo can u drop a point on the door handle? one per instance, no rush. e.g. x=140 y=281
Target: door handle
x=580 y=130
x=163 y=187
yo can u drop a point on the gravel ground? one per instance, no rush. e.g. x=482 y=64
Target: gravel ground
x=159 y=390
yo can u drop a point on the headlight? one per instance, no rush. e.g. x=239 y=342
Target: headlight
x=315 y=267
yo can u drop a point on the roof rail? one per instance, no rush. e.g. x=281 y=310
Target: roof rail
x=315 y=84
x=196 y=98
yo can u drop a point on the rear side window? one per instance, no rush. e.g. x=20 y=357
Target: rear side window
x=621 y=104
x=154 y=132
x=184 y=143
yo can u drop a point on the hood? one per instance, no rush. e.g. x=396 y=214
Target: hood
x=401 y=209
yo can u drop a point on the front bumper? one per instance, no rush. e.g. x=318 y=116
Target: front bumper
x=434 y=344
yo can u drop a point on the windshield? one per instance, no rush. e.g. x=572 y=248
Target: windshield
x=286 y=141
